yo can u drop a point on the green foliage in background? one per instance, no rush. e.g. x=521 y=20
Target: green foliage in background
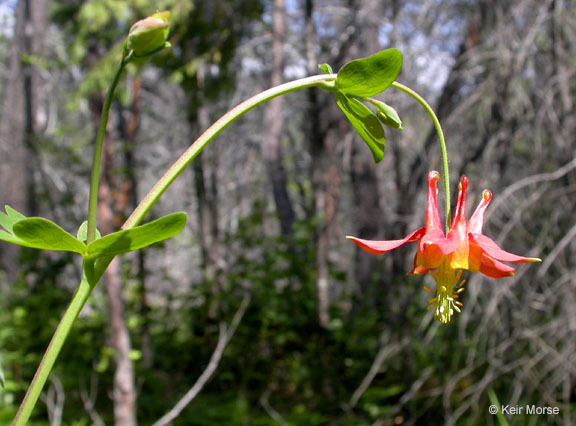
x=280 y=346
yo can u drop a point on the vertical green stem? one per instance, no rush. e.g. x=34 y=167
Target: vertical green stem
x=95 y=177
x=443 y=151
x=85 y=288
x=51 y=354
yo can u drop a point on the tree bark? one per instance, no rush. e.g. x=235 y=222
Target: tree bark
x=126 y=200
x=19 y=122
x=449 y=98
x=324 y=176
x=124 y=392
x=367 y=210
x=206 y=187
x=274 y=126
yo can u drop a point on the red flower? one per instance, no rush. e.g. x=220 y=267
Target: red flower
x=445 y=256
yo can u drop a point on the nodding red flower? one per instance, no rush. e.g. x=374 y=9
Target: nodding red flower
x=444 y=257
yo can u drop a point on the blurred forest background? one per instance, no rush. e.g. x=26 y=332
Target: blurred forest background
x=261 y=312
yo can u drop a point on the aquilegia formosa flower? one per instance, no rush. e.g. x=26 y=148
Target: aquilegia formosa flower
x=444 y=257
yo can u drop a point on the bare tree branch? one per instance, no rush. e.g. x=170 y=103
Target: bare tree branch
x=570 y=235
x=385 y=352
x=265 y=403
x=54 y=400
x=223 y=340
x=89 y=401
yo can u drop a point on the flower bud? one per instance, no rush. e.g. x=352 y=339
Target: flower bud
x=387 y=115
x=148 y=35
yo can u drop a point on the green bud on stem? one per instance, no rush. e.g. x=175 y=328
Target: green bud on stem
x=386 y=114
x=148 y=35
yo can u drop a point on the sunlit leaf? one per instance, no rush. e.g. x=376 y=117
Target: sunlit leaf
x=369 y=76
x=138 y=237
x=5 y=222
x=8 y=219
x=40 y=233
x=366 y=124
x=10 y=238
x=14 y=215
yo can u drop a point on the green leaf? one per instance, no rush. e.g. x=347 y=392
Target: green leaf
x=326 y=68
x=8 y=219
x=9 y=238
x=14 y=215
x=365 y=123
x=5 y=222
x=369 y=76
x=40 y=233
x=137 y=238
x=82 y=233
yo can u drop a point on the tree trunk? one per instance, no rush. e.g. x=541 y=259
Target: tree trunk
x=18 y=129
x=274 y=126
x=124 y=392
x=206 y=187
x=448 y=100
x=367 y=210
x=126 y=201
x=324 y=177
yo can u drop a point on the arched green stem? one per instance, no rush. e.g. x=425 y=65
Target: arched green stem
x=85 y=287
x=325 y=81
x=443 y=151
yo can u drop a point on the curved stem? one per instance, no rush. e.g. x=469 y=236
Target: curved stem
x=325 y=81
x=96 y=162
x=443 y=151
x=52 y=352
